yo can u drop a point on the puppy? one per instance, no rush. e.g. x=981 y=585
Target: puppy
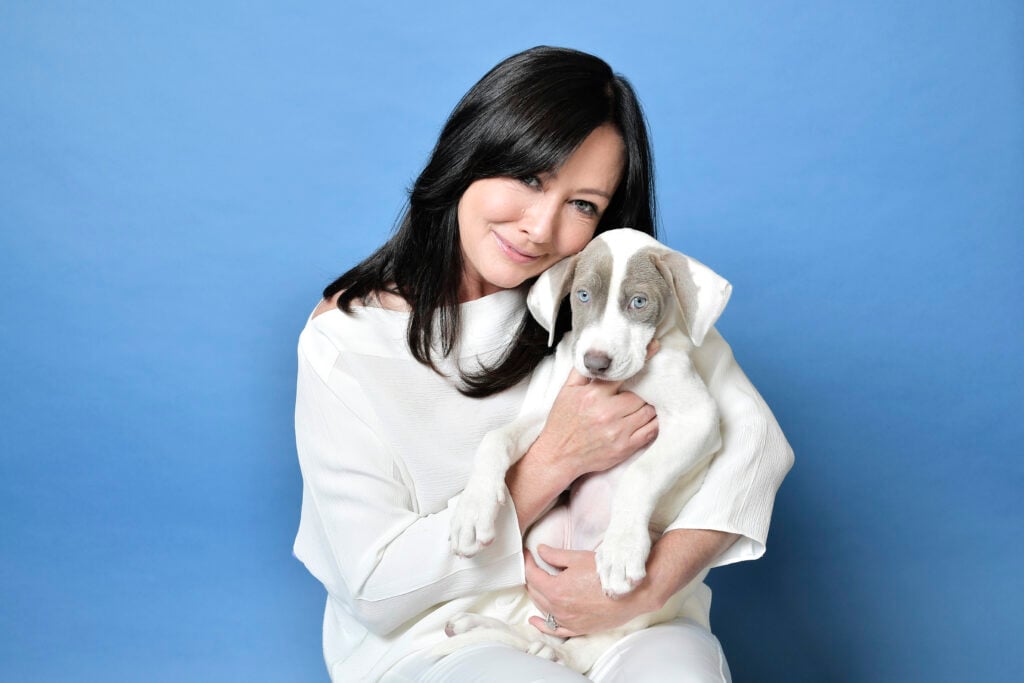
x=625 y=289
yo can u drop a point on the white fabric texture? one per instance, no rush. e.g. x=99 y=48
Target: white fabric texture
x=680 y=651
x=386 y=445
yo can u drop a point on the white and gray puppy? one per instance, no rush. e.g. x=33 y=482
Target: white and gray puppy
x=625 y=288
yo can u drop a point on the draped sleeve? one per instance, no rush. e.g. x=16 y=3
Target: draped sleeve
x=738 y=493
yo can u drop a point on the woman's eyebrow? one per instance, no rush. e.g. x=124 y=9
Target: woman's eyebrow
x=599 y=193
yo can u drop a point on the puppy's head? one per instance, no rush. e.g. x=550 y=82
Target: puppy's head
x=624 y=288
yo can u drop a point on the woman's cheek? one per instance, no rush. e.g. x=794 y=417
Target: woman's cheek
x=578 y=238
x=499 y=203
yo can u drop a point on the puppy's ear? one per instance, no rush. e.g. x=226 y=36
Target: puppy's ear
x=547 y=293
x=701 y=293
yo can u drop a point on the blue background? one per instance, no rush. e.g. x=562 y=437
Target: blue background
x=179 y=180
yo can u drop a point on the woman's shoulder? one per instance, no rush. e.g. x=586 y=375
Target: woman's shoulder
x=325 y=305
x=377 y=326
x=364 y=329
x=387 y=300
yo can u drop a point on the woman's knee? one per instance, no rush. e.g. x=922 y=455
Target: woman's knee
x=681 y=651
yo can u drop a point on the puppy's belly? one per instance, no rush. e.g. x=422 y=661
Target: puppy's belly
x=553 y=529
x=590 y=511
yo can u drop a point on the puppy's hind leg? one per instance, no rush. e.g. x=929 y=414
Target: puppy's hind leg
x=469 y=629
x=464 y=622
x=472 y=522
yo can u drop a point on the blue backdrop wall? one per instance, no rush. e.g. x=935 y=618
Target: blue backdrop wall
x=179 y=180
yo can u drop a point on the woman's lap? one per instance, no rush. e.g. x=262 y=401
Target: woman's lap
x=681 y=651
x=678 y=651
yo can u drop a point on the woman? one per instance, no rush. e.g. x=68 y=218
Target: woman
x=418 y=351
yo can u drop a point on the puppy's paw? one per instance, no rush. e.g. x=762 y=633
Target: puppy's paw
x=541 y=649
x=464 y=622
x=622 y=561
x=472 y=522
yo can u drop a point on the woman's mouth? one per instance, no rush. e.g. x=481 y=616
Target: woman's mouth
x=512 y=253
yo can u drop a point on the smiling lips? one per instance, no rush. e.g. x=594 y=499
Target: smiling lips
x=512 y=253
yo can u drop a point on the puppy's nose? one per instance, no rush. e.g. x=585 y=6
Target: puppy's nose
x=596 y=362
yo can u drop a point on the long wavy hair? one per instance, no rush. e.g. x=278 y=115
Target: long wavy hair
x=525 y=116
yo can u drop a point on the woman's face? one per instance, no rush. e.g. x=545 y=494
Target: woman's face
x=512 y=229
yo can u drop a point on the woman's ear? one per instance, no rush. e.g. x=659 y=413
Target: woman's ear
x=701 y=293
x=547 y=293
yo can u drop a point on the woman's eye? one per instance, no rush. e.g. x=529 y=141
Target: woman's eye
x=638 y=302
x=530 y=181
x=583 y=295
x=585 y=207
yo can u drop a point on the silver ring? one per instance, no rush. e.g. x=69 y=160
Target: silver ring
x=549 y=620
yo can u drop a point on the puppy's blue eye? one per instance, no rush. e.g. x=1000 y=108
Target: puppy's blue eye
x=638 y=302
x=583 y=295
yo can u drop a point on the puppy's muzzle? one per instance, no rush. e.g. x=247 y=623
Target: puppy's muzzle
x=597 y=362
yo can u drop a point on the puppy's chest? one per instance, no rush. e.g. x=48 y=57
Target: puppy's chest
x=668 y=377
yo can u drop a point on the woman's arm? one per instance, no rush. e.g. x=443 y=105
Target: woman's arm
x=738 y=493
x=590 y=428
x=726 y=520
x=575 y=597
x=359 y=532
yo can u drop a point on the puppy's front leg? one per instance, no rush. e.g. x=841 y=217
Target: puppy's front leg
x=622 y=556
x=472 y=522
x=685 y=440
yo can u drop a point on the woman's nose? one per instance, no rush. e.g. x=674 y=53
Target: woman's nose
x=540 y=221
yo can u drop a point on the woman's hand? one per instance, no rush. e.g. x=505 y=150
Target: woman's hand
x=591 y=427
x=575 y=598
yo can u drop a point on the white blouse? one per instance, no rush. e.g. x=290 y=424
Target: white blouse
x=385 y=446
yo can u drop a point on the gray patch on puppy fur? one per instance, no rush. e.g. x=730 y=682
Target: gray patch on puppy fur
x=644 y=278
x=594 y=275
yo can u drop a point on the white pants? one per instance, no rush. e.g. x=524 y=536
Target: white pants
x=681 y=651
